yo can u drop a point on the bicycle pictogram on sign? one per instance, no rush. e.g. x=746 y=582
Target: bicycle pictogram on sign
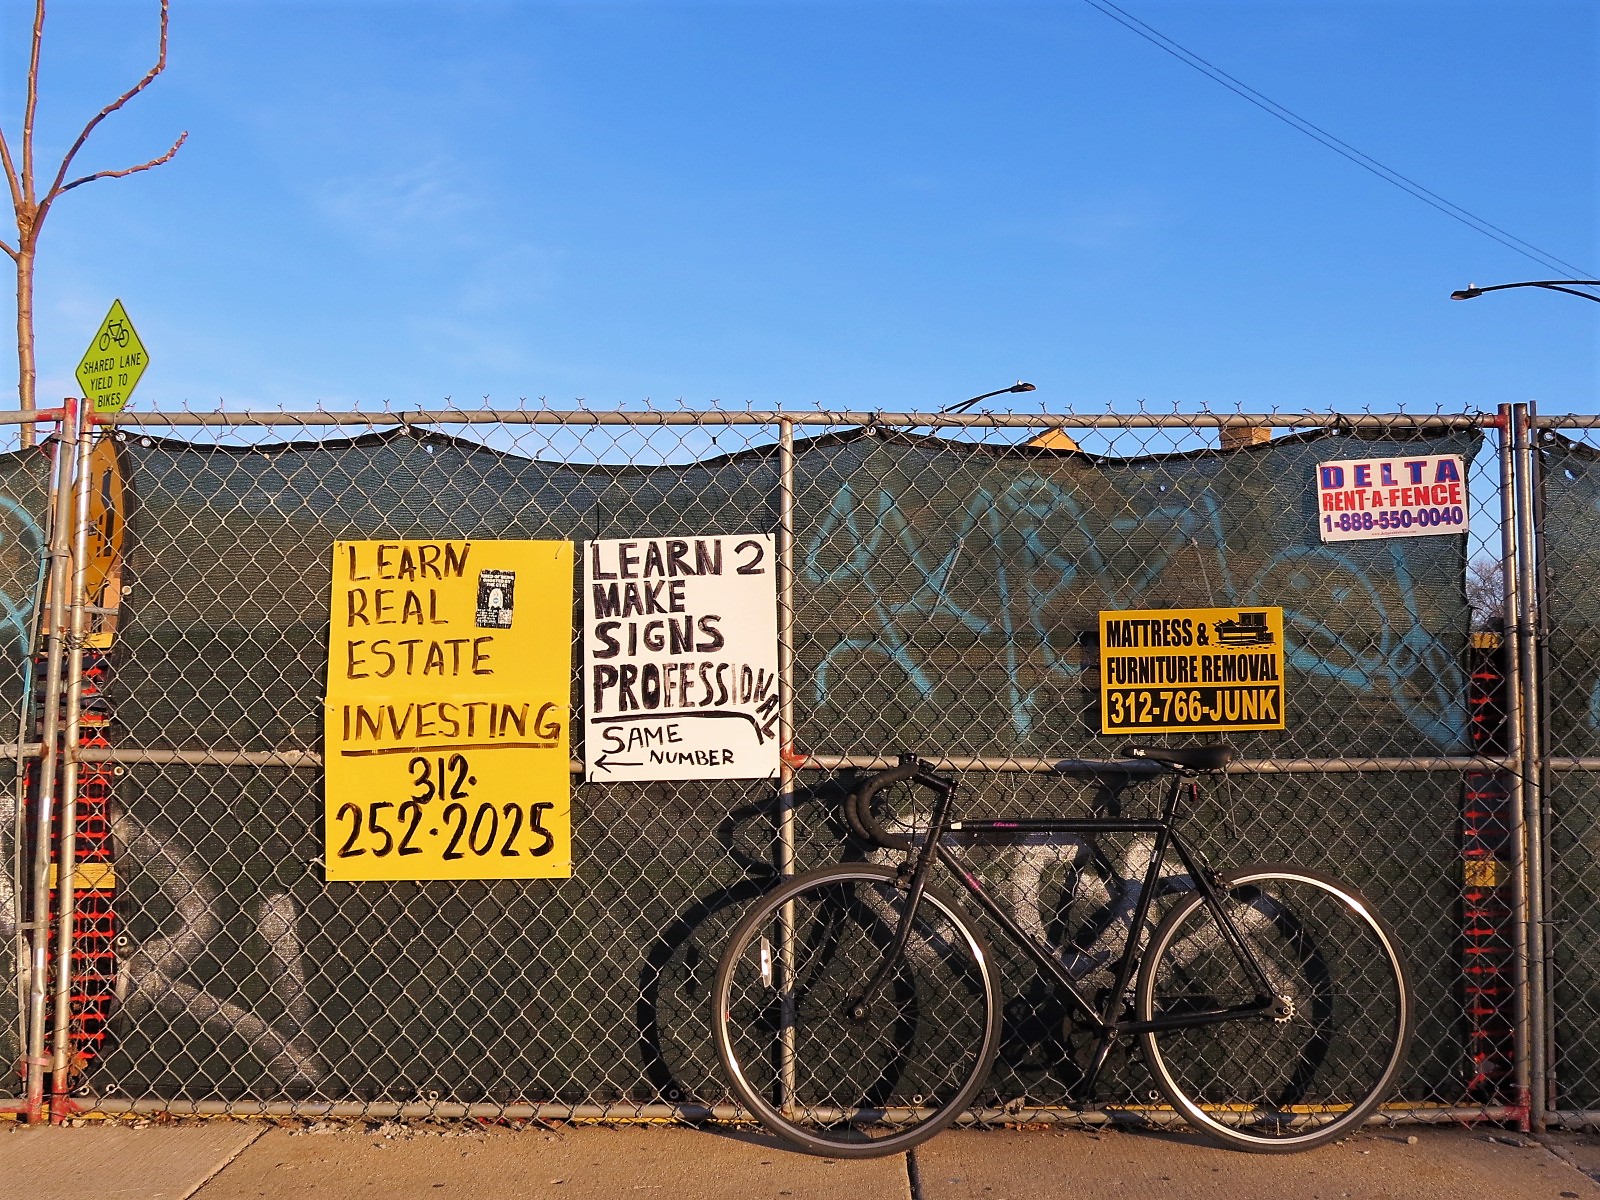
x=114 y=332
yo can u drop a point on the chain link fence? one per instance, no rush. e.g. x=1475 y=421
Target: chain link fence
x=27 y=487
x=1568 y=508
x=943 y=580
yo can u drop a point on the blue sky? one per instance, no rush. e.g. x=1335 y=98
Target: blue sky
x=855 y=205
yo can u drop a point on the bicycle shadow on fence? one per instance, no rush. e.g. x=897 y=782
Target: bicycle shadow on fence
x=673 y=1014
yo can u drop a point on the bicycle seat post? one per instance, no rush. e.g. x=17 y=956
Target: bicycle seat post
x=1180 y=779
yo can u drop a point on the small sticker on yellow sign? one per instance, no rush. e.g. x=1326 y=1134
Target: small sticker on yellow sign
x=1481 y=872
x=1191 y=670
x=446 y=725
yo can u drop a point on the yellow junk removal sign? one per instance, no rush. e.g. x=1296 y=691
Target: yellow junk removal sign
x=445 y=728
x=1191 y=670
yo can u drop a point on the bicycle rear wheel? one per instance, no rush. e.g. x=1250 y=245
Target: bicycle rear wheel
x=1293 y=1081
x=821 y=1079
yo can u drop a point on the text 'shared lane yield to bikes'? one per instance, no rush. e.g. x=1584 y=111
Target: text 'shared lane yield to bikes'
x=111 y=366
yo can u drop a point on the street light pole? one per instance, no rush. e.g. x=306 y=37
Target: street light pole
x=1570 y=286
x=1018 y=386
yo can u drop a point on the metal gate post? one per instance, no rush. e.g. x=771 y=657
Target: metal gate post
x=1527 y=618
x=786 y=756
x=67 y=852
x=60 y=556
x=1542 y=591
x=1515 y=729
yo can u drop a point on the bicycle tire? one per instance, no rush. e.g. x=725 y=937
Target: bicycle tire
x=1288 y=1083
x=858 y=1088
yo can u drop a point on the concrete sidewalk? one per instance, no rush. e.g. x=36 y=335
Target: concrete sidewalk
x=238 y=1160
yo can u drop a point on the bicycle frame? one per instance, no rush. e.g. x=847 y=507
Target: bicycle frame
x=1108 y=1022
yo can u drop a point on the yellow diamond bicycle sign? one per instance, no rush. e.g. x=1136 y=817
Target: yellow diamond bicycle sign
x=113 y=362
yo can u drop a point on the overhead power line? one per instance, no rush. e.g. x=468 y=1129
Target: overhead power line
x=1342 y=148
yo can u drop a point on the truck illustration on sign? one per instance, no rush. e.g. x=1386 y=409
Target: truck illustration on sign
x=1249 y=630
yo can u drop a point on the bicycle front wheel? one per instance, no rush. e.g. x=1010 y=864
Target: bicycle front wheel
x=842 y=1084
x=1318 y=1067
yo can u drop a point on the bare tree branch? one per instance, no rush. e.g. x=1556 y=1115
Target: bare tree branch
x=33 y=102
x=1486 y=594
x=31 y=208
x=154 y=162
x=56 y=187
x=11 y=174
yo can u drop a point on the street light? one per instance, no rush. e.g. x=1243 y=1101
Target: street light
x=1472 y=291
x=1018 y=386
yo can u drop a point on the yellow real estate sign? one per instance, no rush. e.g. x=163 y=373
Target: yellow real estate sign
x=447 y=715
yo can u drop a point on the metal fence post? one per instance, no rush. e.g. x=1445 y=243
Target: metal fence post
x=60 y=555
x=786 y=758
x=1516 y=729
x=67 y=857
x=786 y=768
x=1532 y=759
x=1541 y=595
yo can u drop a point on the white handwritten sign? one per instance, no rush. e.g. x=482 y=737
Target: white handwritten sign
x=680 y=656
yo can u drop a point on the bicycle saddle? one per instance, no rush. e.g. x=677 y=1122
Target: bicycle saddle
x=1189 y=758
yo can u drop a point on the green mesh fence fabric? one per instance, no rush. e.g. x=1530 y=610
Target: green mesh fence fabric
x=1571 y=521
x=24 y=479
x=944 y=592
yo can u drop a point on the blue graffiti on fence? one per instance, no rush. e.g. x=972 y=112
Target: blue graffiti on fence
x=1018 y=549
x=1400 y=657
x=22 y=543
x=1042 y=572
x=22 y=552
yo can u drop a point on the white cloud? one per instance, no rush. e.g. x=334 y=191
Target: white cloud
x=424 y=200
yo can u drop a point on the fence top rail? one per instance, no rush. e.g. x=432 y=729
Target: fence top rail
x=17 y=416
x=903 y=420
x=311 y=759
x=1569 y=421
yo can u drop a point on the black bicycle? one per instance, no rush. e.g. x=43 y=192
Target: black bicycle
x=858 y=1011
